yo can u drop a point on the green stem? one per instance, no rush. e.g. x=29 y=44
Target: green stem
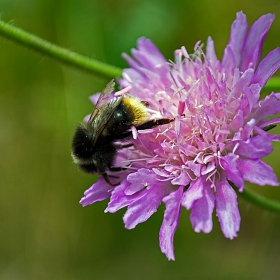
x=74 y=59
x=259 y=200
x=71 y=58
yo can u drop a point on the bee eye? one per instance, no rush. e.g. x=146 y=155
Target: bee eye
x=81 y=145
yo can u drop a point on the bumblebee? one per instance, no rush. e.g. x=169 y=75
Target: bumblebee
x=96 y=142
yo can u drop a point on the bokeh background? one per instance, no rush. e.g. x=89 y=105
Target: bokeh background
x=44 y=232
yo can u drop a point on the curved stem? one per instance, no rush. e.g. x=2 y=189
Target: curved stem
x=71 y=58
x=259 y=200
x=74 y=59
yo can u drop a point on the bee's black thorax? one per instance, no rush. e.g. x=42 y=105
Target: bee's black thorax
x=121 y=121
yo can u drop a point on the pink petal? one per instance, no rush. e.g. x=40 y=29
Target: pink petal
x=170 y=222
x=202 y=209
x=255 y=147
x=274 y=137
x=253 y=94
x=142 y=209
x=119 y=199
x=247 y=130
x=257 y=172
x=237 y=121
x=150 y=58
x=130 y=75
x=131 y=62
x=267 y=107
x=227 y=209
x=237 y=36
x=195 y=168
x=147 y=46
x=97 y=192
x=182 y=179
x=194 y=192
x=228 y=61
x=93 y=98
x=141 y=179
x=252 y=50
x=210 y=52
x=244 y=80
x=265 y=123
x=229 y=164
x=267 y=67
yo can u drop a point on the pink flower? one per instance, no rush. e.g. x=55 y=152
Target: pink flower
x=217 y=139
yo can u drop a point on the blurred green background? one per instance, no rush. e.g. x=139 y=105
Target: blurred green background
x=44 y=232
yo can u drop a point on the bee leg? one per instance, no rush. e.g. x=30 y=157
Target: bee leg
x=146 y=103
x=117 y=168
x=122 y=136
x=124 y=146
x=153 y=123
x=106 y=177
x=112 y=176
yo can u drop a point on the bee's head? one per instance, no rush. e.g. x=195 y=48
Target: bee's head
x=82 y=150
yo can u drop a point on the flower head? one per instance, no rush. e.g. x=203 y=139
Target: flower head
x=217 y=139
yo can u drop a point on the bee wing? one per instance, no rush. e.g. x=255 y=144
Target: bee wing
x=103 y=99
x=103 y=110
x=104 y=115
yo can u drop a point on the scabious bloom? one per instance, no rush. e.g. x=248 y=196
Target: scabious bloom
x=218 y=137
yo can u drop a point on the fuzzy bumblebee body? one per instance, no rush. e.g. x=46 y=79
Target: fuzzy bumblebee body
x=130 y=111
x=94 y=146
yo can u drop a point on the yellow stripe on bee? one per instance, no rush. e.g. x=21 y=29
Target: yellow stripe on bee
x=137 y=109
